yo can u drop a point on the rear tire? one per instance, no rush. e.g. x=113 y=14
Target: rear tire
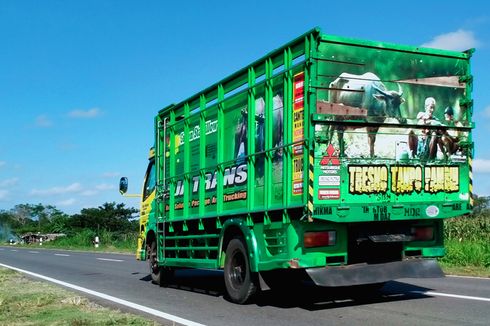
x=240 y=282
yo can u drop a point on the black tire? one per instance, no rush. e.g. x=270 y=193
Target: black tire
x=155 y=270
x=240 y=282
x=160 y=275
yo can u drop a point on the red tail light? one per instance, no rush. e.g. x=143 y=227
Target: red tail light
x=320 y=239
x=423 y=233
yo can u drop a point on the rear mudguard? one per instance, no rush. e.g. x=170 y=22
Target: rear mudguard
x=358 y=274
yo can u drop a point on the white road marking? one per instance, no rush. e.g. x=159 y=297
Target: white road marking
x=450 y=295
x=34 y=252
x=104 y=296
x=471 y=277
x=15 y=250
x=107 y=259
x=62 y=255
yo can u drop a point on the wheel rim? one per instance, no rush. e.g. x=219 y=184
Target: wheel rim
x=238 y=270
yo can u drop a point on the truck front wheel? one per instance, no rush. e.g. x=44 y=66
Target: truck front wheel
x=153 y=263
x=159 y=275
x=240 y=282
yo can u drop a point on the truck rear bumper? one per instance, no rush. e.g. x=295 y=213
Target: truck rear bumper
x=374 y=273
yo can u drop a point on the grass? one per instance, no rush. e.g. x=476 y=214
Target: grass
x=465 y=270
x=467 y=245
x=27 y=302
x=467 y=257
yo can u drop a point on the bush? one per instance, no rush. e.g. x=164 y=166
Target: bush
x=83 y=239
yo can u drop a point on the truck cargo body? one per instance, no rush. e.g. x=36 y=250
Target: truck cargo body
x=335 y=156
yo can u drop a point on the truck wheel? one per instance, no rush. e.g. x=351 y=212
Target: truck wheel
x=159 y=275
x=155 y=270
x=240 y=283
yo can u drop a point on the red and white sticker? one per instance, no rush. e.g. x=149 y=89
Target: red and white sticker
x=298 y=188
x=328 y=194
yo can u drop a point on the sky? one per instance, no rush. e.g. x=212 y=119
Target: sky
x=81 y=81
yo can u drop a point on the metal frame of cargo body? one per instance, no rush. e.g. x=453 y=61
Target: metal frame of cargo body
x=294 y=56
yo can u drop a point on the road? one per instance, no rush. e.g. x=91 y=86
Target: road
x=197 y=296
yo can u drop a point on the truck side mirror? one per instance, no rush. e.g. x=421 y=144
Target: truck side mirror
x=123 y=185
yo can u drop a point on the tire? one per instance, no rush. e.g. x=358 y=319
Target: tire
x=240 y=282
x=161 y=275
x=155 y=270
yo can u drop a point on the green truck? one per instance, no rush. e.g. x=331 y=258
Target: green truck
x=330 y=158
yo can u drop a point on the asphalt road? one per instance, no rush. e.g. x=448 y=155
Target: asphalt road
x=198 y=295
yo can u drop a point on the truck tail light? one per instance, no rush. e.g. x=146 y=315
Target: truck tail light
x=320 y=239
x=423 y=233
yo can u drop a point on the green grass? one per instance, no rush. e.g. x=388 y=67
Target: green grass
x=467 y=257
x=27 y=302
x=467 y=245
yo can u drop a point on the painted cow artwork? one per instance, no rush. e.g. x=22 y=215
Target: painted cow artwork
x=365 y=92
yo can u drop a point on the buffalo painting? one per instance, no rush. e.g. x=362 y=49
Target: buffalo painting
x=372 y=100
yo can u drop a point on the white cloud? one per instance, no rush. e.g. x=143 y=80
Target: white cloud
x=9 y=182
x=3 y=194
x=481 y=165
x=111 y=174
x=74 y=187
x=85 y=114
x=459 y=40
x=89 y=193
x=105 y=186
x=67 y=202
x=43 y=121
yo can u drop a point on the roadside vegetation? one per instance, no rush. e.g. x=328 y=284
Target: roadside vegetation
x=115 y=225
x=24 y=301
x=468 y=242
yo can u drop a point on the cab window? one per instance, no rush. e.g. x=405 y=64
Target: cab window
x=150 y=181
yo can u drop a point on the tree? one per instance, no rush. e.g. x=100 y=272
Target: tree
x=59 y=223
x=110 y=216
x=33 y=218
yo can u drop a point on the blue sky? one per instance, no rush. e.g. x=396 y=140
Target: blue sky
x=80 y=81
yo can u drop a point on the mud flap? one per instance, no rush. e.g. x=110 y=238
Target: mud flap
x=374 y=273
